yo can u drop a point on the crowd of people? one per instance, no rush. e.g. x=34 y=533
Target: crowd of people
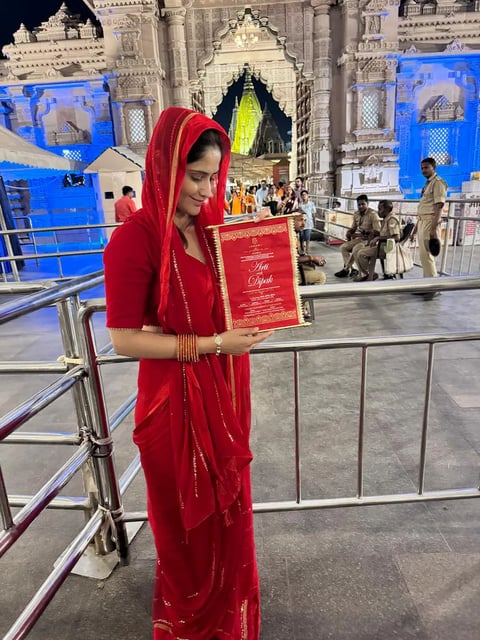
x=280 y=198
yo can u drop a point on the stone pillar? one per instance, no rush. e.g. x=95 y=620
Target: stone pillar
x=368 y=161
x=123 y=124
x=177 y=47
x=321 y=160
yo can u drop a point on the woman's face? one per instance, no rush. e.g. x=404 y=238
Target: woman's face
x=199 y=183
x=289 y=192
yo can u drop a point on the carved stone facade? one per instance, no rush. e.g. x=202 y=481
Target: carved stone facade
x=370 y=85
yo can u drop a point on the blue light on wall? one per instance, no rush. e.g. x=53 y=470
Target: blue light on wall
x=436 y=115
x=71 y=119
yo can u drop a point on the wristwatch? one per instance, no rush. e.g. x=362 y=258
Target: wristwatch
x=218 y=341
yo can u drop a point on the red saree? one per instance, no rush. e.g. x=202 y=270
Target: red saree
x=192 y=419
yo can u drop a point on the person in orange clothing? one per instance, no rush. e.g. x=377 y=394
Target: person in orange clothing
x=125 y=205
x=251 y=201
x=237 y=204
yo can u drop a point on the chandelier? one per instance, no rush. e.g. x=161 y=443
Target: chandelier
x=245 y=37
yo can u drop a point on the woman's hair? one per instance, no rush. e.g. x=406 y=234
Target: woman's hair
x=209 y=138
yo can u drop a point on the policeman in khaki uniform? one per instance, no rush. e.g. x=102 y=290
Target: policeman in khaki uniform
x=430 y=207
x=390 y=229
x=366 y=225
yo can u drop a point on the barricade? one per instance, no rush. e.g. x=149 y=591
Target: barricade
x=81 y=371
x=460 y=228
x=93 y=439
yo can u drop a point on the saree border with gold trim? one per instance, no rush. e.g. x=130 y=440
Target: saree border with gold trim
x=258 y=272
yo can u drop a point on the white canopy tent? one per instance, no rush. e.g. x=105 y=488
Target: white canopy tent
x=115 y=168
x=115 y=160
x=17 y=156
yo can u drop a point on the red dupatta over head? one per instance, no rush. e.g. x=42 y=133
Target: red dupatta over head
x=174 y=135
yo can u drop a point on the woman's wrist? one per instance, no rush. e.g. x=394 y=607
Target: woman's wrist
x=207 y=345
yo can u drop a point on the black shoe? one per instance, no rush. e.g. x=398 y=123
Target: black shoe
x=354 y=273
x=388 y=276
x=343 y=273
x=431 y=295
x=427 y=295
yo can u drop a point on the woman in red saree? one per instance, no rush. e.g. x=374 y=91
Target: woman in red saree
x=192 y=418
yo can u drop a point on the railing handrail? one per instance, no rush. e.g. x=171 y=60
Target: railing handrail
x=72 y=227
x=27 y=304
x=375 y=197
x=412 y=214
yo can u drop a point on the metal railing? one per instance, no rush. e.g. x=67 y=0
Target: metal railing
x=82 y=373
x=92 y=438
x=363 y=344
x=11 y=258
x=460 y=229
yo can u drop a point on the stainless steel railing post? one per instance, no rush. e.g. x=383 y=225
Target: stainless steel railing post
x=426 y=416
x=67 y=316
x=298 y=458
x=361 y=422
x=103 y=462
x=5 y=510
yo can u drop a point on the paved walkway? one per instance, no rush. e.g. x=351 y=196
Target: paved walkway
x=403 y=572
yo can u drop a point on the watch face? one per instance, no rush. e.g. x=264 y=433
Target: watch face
x=218 y=340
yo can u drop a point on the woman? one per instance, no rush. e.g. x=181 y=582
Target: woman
x=271 y=200
x=192 y=417
x=288 y=203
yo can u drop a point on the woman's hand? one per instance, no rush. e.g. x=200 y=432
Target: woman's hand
x=236 y=342
x=263 y=214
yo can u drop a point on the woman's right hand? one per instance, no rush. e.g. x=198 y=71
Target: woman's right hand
x=236 y=342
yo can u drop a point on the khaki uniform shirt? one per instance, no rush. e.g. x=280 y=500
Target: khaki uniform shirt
x=390 y=227
x=434 y=192
x=367 y=223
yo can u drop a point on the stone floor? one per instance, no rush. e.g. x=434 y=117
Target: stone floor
x=399 y=572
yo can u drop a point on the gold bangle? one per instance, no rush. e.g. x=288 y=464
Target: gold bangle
x=187 y=347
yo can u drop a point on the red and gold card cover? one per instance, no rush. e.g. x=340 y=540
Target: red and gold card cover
x=258 y=271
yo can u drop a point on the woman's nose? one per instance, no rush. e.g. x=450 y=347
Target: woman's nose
x=207 y=189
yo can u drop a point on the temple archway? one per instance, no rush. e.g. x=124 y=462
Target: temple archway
x=269 y=61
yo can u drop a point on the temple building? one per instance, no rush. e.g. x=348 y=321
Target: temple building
x=371 y=86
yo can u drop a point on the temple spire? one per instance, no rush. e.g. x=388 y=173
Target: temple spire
x=248 y=117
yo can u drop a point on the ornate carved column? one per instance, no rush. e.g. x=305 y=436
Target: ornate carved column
x=368 y=161
x=321 y=161
x=175 y=19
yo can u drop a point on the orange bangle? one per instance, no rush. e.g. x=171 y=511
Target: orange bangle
x=187 y=347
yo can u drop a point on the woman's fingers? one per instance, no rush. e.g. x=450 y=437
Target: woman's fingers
x=261 y=337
